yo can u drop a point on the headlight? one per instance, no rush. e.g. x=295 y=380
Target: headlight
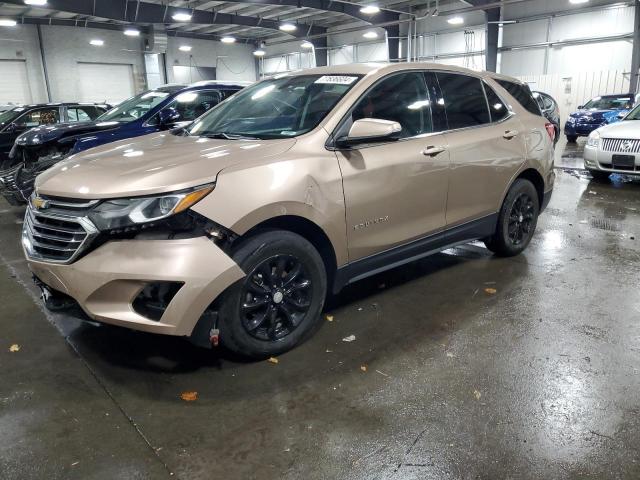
x=594 y=139
x=127 y=212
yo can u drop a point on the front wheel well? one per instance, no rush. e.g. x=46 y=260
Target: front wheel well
x=306 y=229
x=534 y=177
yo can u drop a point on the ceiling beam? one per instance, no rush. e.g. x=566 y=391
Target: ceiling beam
x=151 y=13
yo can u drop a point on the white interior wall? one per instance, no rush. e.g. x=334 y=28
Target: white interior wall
x=67 y=47
x=21 y=43
x=231 y=61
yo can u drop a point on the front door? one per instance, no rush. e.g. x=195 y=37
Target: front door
x=395 y=191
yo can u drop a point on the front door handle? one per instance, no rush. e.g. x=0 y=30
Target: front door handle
x=432 y=151
x=509 y=134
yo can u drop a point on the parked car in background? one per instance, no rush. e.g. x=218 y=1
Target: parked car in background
x=163 y=108
x=595 y=113
x=615 y=148
x=236 y=227
x=18 y=119
x=550 y=110
x=7 y=106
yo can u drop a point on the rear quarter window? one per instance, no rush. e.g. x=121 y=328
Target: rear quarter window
x=522 y=93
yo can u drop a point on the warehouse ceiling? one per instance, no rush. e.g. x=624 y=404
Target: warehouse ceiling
x=251 y=20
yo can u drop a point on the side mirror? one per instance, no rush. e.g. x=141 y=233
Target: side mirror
x=621 y=115
x=368 y=130
x=168 y=117
x=580 y=107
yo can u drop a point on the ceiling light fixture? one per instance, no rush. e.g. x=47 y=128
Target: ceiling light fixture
x=132 y=32
x=37 y=3
x=306 y=44
x=370 y=34
x=181 y=17
x=259 y=53
x=7 y=22
x=455 y=21
x=228 y=39
x=370 y=9
x=287 y=27
x=578 y=2
x=96 y=42
x=184 y=48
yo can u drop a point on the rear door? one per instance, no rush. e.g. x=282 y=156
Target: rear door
x=485 y=144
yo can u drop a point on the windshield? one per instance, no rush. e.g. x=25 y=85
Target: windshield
x=10 y=115
x=134 y=108
x=609 y=103
x=276 y=108
x=634 y=114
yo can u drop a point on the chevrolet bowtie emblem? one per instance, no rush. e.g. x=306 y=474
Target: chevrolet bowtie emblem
x=40 y=203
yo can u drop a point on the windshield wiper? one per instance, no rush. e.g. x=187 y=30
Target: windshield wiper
x=229 y=136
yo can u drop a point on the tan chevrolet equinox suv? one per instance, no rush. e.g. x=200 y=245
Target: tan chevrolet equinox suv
x=237 y=227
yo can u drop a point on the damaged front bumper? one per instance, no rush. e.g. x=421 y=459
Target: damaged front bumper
x=115 y=283
x=12 y=186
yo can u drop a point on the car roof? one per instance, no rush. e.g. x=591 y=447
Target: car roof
x=57 y=104
x=616 y=95
x=384 y=68
x=220 y=83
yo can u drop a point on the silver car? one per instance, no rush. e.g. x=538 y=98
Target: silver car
x=615 y=148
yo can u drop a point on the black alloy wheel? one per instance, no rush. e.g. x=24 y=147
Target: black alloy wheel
x=521 y=219
x=276 y=297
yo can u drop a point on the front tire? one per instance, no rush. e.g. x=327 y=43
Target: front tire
x=572 y=138
x=517 y=220
x=599 y=175
x=278 y=304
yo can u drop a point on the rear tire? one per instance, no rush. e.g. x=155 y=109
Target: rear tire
x=600 y=176
x=278 y=304
x=572 y=138
x=517 y=220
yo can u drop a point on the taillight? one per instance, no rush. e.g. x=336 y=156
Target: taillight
x=550 y=130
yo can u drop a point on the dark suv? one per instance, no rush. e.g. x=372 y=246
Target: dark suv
x=163 y=108
x=18 y=119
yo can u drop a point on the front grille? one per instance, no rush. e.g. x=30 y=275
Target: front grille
x=55 y=237
x=620 y=145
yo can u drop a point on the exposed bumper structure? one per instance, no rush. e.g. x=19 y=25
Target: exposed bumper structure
x=106 y=282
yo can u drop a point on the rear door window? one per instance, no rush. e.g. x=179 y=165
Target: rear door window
x=190 y=105
x=497 y=108
x=401 y=98
x=522 y=93
x=464 y=100
x=77 y=114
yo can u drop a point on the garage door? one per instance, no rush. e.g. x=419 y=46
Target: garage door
x=14 y=82
x=105 y=82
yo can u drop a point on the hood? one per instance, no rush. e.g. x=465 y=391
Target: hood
x=156 y=163
x=629 y=129
x=50 y=133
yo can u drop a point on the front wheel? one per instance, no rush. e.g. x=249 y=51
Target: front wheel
x=279 y=302
x=517 y=220
x=572 y=138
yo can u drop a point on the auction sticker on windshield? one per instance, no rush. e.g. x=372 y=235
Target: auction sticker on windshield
x=336 y=79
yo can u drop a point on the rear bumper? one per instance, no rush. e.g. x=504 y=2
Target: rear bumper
x=546 y=198
x=106 y=282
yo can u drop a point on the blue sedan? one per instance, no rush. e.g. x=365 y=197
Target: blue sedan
x=597 y=112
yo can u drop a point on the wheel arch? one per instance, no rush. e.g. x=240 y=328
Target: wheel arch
x=308 y=230
x=534 y=177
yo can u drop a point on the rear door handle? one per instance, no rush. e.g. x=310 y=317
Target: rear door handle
x=432 y=151
x=509 y=134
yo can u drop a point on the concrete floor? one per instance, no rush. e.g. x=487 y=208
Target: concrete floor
x=538 y=380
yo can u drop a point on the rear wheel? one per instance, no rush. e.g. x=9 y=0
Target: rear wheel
x=572 y=138
x=599 y=175
x=278 y=304
x=517 y=220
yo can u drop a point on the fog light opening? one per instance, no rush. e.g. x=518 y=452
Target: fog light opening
x=154 y=299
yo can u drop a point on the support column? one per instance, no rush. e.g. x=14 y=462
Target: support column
x=635 y=55
x=493 y=29
x=320 y=49
x=393 y=42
